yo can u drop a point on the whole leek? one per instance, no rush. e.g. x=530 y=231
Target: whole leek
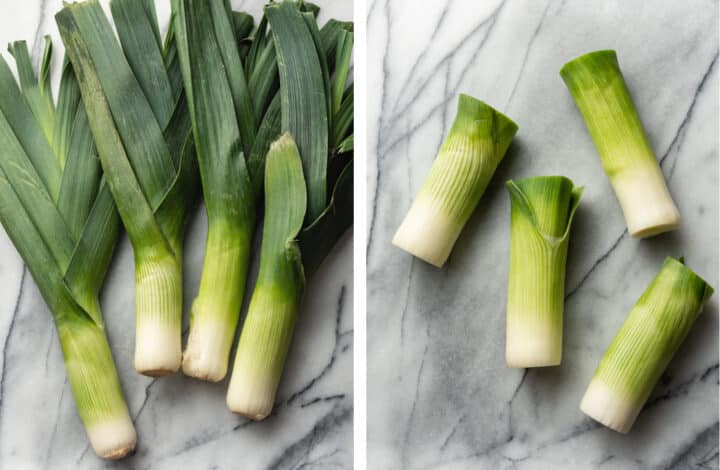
x=599 y=90
x=311 y=162
x=234 y=121
x=474 y=147
x=266 y=335
x=642 y=349
x=138 y=117
x=57 y=209
x=542 y=209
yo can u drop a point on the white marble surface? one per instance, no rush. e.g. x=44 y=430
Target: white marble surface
x=439 y=393
x=181 y=423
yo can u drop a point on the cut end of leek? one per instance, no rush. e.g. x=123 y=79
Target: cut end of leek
x=475 y=145
x=250 y=398
x=157 y=348
x=532 y=347
x=646 y=203
x=611 y=409
x=206 y=354
x=427 y=233
x=113 y=439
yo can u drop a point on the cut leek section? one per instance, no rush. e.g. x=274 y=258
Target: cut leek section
x=57 y=209
x=272 y=313
x=598 y=87
x=474 y=147
x=138 y=117
x=642 y=349
x=542 y=210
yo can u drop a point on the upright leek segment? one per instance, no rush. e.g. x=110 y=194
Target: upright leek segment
x=600 y=93
x=476 y=144
x=56 y=208
x=313 y=65
x=235 y=117
x=270 y=322
x=542 y=209
x=642 y=349
x=138 y=118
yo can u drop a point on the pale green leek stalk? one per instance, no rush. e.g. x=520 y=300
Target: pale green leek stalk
x=271 y=316
x=597 y=85
x=542 y=210
x=59 y=213
x=474 y=147
x=138 y=117
x=225 y=120
x=642 y=349
x=313 y=156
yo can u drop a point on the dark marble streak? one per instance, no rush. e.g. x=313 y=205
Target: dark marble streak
x=7 y=339
x=700 y=454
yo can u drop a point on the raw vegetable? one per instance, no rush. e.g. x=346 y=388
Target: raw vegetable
x=280 y=283
x=599 y=90
x=314 y=157
x=642 y=349
x=57 y=209
x=139 y=120
x=542 y=209
x=474 y=147
x=234 y=121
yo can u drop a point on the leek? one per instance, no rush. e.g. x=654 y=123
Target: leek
x=57 y=209
x=474 y=147
x=599 y=90
x=280 y=283
x=138 y=117
x=234 y=121
x=542 y=209
x=642 y=349
x=309 y=167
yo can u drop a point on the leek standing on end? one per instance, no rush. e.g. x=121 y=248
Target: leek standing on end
x=542 y=210
x=476 y=144
x=235 y=116
x=138 y=117
x=58 y=211
x=642 y=349
x=280 y=284
x=314 y=156
x=599 y=90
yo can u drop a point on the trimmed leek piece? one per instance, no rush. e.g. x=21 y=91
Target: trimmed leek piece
x=642 y=349
x=597 y=85
x=542 y=210
x=58 y=211
x=234 y=121
x=476 y=144
x=279 y=287
x=139 y=120
x=310 y=165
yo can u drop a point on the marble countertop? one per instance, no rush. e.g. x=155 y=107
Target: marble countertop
x=439 y=393
x=181 y=422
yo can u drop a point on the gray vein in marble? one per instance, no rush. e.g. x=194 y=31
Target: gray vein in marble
x=595 y=265
x=300 y=450
x=55 y=425
x=7 y=338
x=675 y=143
x=700 y=453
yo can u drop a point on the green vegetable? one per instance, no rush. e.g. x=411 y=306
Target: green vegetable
x=542 y=209
x=56 y=207
x=273 y=308
x=599 y=90
x=235 y=117
x=642 y=349
x=476 y=144
x=310 y=165
x=138 y=117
